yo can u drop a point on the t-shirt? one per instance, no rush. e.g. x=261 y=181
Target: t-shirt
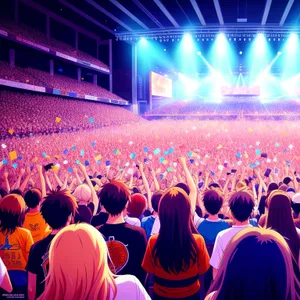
x=99 y=219
x=133 y=221
x=38 y=262
x=36 y=224
x=183 y=284
x=126 y=245
x=14 y=248
x=209 y=229
x=222 y=240
x=2 y=270
x=147 y=223
x=129 y=287
x=84 y=213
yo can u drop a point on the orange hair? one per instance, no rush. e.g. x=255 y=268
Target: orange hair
x=78 y=266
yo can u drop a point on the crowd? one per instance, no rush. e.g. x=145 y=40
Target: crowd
x=244 y=106
x=63 y=83
x=34 y=114
x=178 y=210
x=36 y=36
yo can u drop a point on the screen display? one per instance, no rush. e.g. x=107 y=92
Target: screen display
x=161 y=85
x=241 y=91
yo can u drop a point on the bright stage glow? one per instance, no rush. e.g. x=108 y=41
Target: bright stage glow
x=221 y=43
x=165 y=49
x=279 y=53
x=241 y=52
x=190 y=85
x=292 y=43
x=188 y=42
x=199 y=53
x=260 y=44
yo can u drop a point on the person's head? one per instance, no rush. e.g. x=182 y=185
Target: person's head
x=136 y=205
x=33 y=198
x=12 y=213
x=266 y=273
x=280 y=218
x=287 y=180
x=83 y=193
x=272 y=187
x=214 y=185
x=175 y=249
x=155 y=199
x=16 y=191
x=283 y=187
x=114 y=197
x=296 y=203
x=183 y=186
x=58 y=209
x=3 y=193
x=241 y=205
x=83 y=272
x=135 y=190
x=212 y=201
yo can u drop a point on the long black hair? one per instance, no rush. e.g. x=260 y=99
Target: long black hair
x=175 y=249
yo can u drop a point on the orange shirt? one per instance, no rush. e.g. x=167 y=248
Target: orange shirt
x=36 y=224
x=188 y=286
x=14 y=248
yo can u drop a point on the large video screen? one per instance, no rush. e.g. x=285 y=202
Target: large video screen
x=160 y=85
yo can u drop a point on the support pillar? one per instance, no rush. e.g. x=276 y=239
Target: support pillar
x=48 y=33
x=134 y=79
x=51 y=67
x=97 y=49
x=95 y=79
x=12 y=54
x=110 y=66
x=79 y=74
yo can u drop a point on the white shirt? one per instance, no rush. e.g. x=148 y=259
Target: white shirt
x=133 y=221
x=222 y=240
x=129 y=287
x=2 y=271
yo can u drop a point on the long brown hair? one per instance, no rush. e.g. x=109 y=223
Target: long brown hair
x=175 y=249
x=280 y=218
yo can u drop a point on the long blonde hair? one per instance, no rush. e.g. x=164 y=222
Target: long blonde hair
x=78 y=267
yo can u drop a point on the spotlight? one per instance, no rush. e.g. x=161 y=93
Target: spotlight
x=279 y=53
x=165 y=49
x=241 y=52
x=199 y=53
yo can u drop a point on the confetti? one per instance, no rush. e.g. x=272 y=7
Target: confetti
x=252 y=166
x=161 y=159
x=107 y=163
x=73 y=148
x=169 y=170
x=275 y=159
x=288 y=163
x=86 y=163
x=20 y=157
x=57 y=120
x=65 y=162
x=77 y=162
x=3 y=146
x=127 y=164
x=257 y=163
x=98 y=162
x=291 y=146
x=238 y=155
x=98 y=157
x=150 y=156
x=175 y=164
x=93 y=144
x=190 y=154
x=156 y=151
x=55 y=168
x=70 y=170
x=250 y=130
x=192 y=160
x=257 y=152
x=268 y=160
x=277 y=144
x=246 y=155
x=171 y=150
x=221 y=168
x=132 y=155
x=15 y=165
x=91 y=120
x=35 y=159
x=239 y=163
x=44 y=154
x=130 y=143
x=257 y=143
x=81 y=153
x=10 y=131
x=284 y=150
x=219 y=147
x=13 y=155
x=65 y=151
x=165 y=162
x=4 y=161
x=57 y=156
x=146 y=161
x=146 y=150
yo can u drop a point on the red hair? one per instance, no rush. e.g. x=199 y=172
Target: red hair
x=136 y=205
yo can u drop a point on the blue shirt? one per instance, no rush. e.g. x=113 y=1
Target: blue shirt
x=210 y=229
x=147 y=224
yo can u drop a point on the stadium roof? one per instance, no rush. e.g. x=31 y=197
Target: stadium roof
x=133 y=17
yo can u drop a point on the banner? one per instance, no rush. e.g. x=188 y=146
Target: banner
x=88 y=97
x=56 y=92
x=32 y=44
x=21 y=85
x=2 y=32
x=65 y=56
x=72 y=94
